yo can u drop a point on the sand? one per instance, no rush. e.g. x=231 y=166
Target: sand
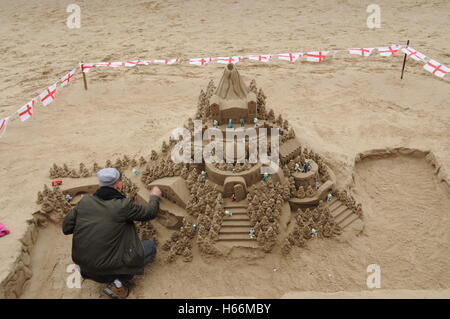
x=341 y=108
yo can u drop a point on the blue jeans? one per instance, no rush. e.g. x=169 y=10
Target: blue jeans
x=149 y=254
x=149 y=251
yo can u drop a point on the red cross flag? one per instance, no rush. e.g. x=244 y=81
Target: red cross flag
x=388 y=51
x=132 y=63
x=361 y=51
x=110 y=64
x=48 y=95
x=412 y=53
x=166 y=61
x=86 y=67
x=231 y=59
x=261 y=58
x=316 y=56
x=291 y=57
x=145 y=62
x=3 y=124
x=200 y=61
x=66 y=79
x=26 y=111
x=436 y=68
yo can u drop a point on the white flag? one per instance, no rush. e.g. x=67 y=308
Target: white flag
x=66 y=79
x=115 y=64
x=361 y=51
x=200 y=61
x=261 y=58
x=231 y=59
x=110 y=64
x=316 y=56
x=436 y=68
x=388 y=51
x=48 y=95
x=3 y=125
x=414 y=54
x=26 y=111
x=86 y=67
x=166 y=61
x=291 y=57
x=132 y=63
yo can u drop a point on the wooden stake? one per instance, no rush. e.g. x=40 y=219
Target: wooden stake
x=404 y=61
x=84 y=77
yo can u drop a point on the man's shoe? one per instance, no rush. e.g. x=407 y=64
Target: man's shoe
x=116 y=290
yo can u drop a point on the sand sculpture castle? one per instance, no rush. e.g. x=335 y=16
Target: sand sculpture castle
x=215 y=206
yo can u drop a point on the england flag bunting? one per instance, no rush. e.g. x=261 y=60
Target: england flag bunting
x=200 y=61
x=132 y=63
x=291 y=57
x=388 y=51
x=166 y=61
x=361 y=51
x=86 y=67
x=48 y=96
x=436 y=68
x=316 y=56
x=261 y=58
x=67 y=79
x=110 y=64
x=145 y=62
x=26 y=111
x=3 y=124
x=231 y=59
x=116 y=64
x=414 y=54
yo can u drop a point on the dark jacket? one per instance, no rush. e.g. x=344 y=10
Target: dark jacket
x=105 y=240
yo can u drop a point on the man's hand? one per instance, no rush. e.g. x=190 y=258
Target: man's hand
x=155 y=191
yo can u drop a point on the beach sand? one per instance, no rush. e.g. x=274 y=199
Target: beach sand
x=342 y=107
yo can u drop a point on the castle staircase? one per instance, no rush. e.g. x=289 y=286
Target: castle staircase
x=236 y=228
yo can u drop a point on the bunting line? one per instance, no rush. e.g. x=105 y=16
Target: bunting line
x=49 y=95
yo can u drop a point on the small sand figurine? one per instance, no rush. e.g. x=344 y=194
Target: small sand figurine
x=307 y=166
x=255 y=121
x=203 y=174
x=228 y=213
x=230 y=124
x=242 y=122
x=252 y=233
x=314 y=232
x=215 y=123
x=265 y=177
x=329 y=197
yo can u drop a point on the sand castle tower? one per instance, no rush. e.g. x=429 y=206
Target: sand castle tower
x=232 y=99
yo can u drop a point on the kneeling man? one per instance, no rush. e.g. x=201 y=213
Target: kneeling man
x=105 y=244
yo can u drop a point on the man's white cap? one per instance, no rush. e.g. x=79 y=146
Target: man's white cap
x=108 y=176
